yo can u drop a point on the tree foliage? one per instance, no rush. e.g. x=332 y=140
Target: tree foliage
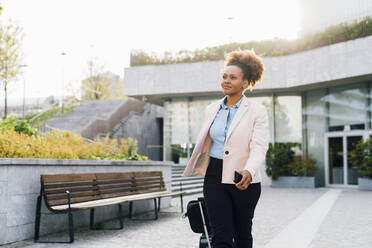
x=275 y=47
x=13 y=123
x=101 y=85
x=11 y=37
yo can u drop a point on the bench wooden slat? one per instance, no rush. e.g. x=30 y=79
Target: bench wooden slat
x=107 y=191
x=74 y=200
x=114 y=181
x=147 y=173
x=68 y=177
x=138 y=189
x=113 y=186
x=149 y=179
x=148 y=183
x=71 y=189
x=73 y=195
x=105 y=196
x=117 y=175
x=90 y=187
x=113 y=201
x=61 y=185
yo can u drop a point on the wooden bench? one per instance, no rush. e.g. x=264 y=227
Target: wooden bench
x=65 y=193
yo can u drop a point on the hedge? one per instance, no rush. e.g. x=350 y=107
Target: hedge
x=275 y=47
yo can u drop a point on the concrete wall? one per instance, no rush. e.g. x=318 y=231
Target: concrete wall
x=20 y=186
x=147 y=128
x=339 y=63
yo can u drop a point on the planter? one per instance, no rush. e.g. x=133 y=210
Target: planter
x=364 y=183
x=293 y=182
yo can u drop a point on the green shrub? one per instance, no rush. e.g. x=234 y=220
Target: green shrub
x=45 y=116
x=361 y=157
x=68 y=145
x=278 y=157
x=302 y=167
x=18 y=125
x=281 y=161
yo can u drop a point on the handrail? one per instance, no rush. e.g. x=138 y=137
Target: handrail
x=42 y=112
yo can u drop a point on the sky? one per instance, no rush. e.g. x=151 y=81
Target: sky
x=107 y=30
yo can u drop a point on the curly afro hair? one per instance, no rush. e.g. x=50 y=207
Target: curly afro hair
x=249 y=63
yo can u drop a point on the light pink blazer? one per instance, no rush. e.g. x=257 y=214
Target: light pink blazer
x=245 y=146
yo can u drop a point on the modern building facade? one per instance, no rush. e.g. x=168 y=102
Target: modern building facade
x=320 y=99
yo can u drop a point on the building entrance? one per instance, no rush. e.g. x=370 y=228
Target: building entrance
x=339 y=171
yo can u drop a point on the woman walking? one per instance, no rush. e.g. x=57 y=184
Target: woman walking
x=233 y=137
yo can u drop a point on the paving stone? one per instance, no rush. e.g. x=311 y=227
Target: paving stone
x=346 y=225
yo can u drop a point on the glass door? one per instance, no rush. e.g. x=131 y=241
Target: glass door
x=352 y=171
x=339 y=146
x=335 y=160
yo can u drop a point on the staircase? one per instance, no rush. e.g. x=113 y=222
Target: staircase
x=192 y=185
x=94 y=117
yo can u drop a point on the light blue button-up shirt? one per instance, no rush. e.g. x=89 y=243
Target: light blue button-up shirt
x=220 y=126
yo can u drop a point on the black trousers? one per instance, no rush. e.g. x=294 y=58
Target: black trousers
x=230 y=210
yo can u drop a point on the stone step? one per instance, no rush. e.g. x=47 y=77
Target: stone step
x=186 y=179
x=187 y=187
x=191 y=192
x=174 y=176
x=188 y=182
x=178 y=165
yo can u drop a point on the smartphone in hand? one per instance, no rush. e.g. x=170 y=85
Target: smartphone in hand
x=237 y=177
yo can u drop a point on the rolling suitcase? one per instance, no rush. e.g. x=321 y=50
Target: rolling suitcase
x=198 y=220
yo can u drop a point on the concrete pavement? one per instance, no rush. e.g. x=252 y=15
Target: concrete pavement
x=298 y=218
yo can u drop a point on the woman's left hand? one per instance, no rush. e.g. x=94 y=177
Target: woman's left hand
x=246 y=180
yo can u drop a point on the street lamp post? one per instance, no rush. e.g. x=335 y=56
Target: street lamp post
x=24 y=93
x=230 y=20
x=62 y=97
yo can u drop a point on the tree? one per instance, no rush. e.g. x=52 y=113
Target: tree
x=11 y=37
x=100 y=85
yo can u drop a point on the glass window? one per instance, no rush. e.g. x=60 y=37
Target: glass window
x=197 y=109
x=288 y=119
x=183 y=117
x=175 y=128
x=348 y=107
x=267 y=101
x=369 y=100
x=316 y=122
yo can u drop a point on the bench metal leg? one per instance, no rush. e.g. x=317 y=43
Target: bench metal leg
x=130 y=210
x=37 y=218
x=159 y=204
x=120 y=217
x=181 y=197
x=91 y=223
x=155 y=211
x=70 y=226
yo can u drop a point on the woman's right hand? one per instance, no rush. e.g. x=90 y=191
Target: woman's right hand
x=246 y=180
